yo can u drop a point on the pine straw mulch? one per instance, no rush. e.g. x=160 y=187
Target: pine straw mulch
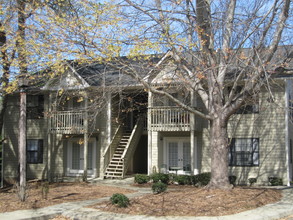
x=191 y=201
x=58 y=193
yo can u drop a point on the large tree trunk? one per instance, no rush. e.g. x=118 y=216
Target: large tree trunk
x=219 y=154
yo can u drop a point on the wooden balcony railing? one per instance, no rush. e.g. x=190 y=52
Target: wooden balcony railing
x=168 y=118
x=67 y=122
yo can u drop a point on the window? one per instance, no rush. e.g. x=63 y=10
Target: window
x=251 y=105
x=248 y=109
x=35 y=106
x=34 y=149
x=244 y=152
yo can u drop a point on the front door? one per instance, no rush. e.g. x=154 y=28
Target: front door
x=76 y=158
x=178 y=155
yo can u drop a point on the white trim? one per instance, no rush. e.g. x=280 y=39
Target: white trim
x=109 y=117
x=287 y=90
x=69 y=171
x=84 y=83
x=150 y=104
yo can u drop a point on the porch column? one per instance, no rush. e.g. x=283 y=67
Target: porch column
x=49 y=147
x=109 y=117
x=85 y=138
x=149 y=121
x=193 y=144
x=106 y=139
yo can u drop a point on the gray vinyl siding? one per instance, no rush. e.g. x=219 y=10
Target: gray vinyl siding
x=57 y=157
x=36 y=129
x=290 y=126
x=269 y=126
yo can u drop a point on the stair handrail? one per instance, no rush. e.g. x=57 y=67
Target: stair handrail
x=118 y=130
x=136 y=131
x=112 y=143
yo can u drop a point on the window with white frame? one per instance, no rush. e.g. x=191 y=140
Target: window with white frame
x=34 y=150
x=244 y=152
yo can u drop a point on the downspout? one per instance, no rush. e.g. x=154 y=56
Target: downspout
x=287 y=131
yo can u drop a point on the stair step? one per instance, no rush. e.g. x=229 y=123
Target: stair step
x=115 y=167
x=113 y=173
x=114 y=170
x=116 y=162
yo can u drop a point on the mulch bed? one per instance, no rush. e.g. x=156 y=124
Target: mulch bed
x=58 y=193
x=192 y=201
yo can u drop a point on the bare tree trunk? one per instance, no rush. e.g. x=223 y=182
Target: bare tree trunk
x=22 y=147
x=219 y=154
x=22 y=62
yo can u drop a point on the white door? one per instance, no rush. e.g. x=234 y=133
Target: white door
x=76 y=158
x=178 y=156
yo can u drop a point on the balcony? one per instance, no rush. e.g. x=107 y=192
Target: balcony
x=169 y=118
x=67 y=122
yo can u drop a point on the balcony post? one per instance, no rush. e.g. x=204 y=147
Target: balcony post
x=149 y=121
x=193 y=140
x=49 y=149
x=85 y=139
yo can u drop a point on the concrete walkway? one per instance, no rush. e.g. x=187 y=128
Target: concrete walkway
x=77 y=210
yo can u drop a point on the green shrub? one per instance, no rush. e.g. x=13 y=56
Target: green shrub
x=120 y=200
x=232 y=180
x=252 y=181
x=160 y=177
x=159 y=187
x=172 y=177
x=202 y=179
x=184 y=180
x=275 y=181
x=141 y=178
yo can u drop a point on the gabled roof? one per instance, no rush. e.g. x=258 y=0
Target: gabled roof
x=95 y=74
x=156 y=69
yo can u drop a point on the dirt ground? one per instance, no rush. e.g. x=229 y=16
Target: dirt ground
x=178 y=200
x=191 y=201
x=58 y=193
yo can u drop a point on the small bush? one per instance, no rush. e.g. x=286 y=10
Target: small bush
x=232 y=180
x=252 y=181
x=160 y=177
x=141 y=178
x=275 y=181
x=183 y=180
x=202 y=179
x=159 y=187
x=120 y=200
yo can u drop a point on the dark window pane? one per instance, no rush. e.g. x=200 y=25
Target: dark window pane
x=34 y=151
x=35 y=106
x=244 y=152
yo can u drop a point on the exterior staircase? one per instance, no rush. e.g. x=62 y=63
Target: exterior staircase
x=116 y=165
